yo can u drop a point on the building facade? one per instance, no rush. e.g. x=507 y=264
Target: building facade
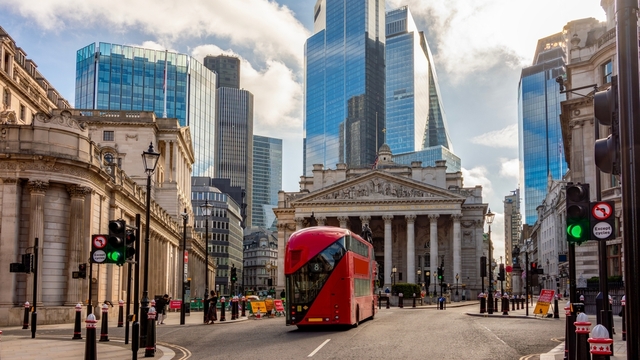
x=420 y=218
x=344 y=107
x=227 y=68
x=120 y=77
x=512 y=241
x=267 y=180
x=260 y=260
x=540 y=136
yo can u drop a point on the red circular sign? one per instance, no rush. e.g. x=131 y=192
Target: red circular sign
x=508 y=268
x=601 y=210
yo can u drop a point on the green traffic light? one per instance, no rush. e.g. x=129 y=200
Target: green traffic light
x=575 y=231
x=114 y=256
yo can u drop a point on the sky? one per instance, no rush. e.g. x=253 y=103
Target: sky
x=479 y=46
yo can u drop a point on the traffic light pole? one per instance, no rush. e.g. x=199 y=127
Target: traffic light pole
x=89 y=305
x=629 y=115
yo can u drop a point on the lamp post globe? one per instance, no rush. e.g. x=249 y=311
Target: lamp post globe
x=150 y=161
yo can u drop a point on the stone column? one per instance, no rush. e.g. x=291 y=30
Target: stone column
x=10 y=253
x=321 y=220
x=343 y=221
x=38 y=190
x=75 y=245
x=433 y=242
x=299 y=222
x=411 y=248
x=457 y=246
x=388 y=249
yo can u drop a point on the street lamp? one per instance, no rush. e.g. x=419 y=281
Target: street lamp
x=457 y=278
x=183 y=309
x=419 y=272
x=149 y=160
x=489 y=216
x=393 y=274
x=206 y=211
x=435 y=280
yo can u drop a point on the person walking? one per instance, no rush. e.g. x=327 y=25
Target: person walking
x=212 y=314
x=161 y=309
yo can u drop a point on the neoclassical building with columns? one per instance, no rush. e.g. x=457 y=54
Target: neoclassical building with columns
x=420 y=218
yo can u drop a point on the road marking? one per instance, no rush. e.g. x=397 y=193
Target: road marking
x=494 y=334
x=318 y=348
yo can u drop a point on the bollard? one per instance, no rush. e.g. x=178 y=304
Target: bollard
x=401 y=300
x=624 y=325
x=600 y=344
x=567 y=313
x=414 y=299
x=495 y=306
x=244 y=305
x=90 y=349
x=441 y=301
x=150 y=347
x=582 y=335
x=505 y=305
x=120 y=313
x=77 y=332
x=222 y=305
x=556 y=311
x=25 y=324
x=233 y=307
x=483 y=303
x=387 y=301
x=513 y=304
x=104 y=330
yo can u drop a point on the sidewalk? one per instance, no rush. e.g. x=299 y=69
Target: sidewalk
x=16 y=343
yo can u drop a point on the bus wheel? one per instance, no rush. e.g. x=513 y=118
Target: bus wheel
x=357 y=316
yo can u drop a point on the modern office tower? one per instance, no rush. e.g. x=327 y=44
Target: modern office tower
x=120 y=77
x=234 y=141
x=267 y=180
x=344 y=109
x=227 y=68
x=225 y=233
x=429 y=156
x=540 y=135
x=512 y=244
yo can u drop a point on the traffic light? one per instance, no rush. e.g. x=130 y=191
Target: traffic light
x=27 y=262
x=116 y=242
x=129 y=241
x=440 y=274
x=578 y=207
x=82 y=271
x=233 y=275
x=534 y=267
x=501 y=272
x=602 y=220
x=605 y=109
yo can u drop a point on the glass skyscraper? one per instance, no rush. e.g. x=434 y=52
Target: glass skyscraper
x=540 y=136
x=344 y=108
x=267 y=179
x=120 y=77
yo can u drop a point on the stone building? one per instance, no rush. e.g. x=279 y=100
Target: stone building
x=420 y=217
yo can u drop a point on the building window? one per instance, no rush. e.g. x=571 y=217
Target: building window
x=607 y=72
x=107 y=136
x=23 y=112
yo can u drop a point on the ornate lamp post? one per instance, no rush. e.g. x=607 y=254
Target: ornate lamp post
x=419 y=272
x=183 y=308
x=489 y=216
x=206 y=211
x=149 y=160
x=393 y=274
x=435 y=280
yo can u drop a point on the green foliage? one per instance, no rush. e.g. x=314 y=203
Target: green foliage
x=596 y=280
x=406 y=289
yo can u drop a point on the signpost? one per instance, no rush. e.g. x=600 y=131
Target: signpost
x=544 y=300
x=602 y=219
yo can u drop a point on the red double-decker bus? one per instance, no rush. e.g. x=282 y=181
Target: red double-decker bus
x=330 y=277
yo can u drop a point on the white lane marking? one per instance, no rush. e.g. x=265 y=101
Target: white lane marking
x=318 y=348
x=494 y=334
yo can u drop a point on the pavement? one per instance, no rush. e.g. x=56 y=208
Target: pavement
x=16 y=343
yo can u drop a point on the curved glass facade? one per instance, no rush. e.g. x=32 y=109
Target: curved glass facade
x=540 y=135
x=120 y=77
x=344 y=84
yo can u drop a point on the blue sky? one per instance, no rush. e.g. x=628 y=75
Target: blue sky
x=480 y=46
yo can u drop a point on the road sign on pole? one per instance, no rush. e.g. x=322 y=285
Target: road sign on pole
x=602 y=220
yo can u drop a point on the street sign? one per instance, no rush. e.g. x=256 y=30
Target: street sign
x=544 y=300
x=99 y=256
x=99 y=241
x=602 y=220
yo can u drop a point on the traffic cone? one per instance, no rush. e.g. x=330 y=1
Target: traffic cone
x=258 y=315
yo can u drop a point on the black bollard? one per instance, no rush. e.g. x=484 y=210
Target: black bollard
x=104 y=330
x=121 y=313
x=233 y=308
x=582 y=335
x=401 y=300
x=441 y=301
x=505 y=305
x=483 y=303
x=495 y=306
x=624 y=324
x=244 y=305
x=556 y=311
x=90 y=349
x=25 y=324
x=150 y=347
x=77 y=332
x=414 y=299
x=222 y=305
x=387 y=301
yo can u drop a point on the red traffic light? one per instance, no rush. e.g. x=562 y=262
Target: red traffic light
x=534 y=265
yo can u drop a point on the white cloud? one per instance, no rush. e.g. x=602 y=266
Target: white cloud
x=265 y=28
x=478 y=176
x=510 y=168
x=503 y=138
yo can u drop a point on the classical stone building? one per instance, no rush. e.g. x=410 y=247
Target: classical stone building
x=420 y=217
x=63 y=178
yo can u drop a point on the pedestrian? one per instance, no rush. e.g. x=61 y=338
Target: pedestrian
x=212 y=314
x=161 y=305
x=386 y=290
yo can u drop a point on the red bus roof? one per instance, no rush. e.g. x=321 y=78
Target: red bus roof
x=306 y=243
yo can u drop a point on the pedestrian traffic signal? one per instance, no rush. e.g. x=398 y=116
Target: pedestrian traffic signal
x=116 y=242
x=602 y=220
x=578 y=208
x=234 y=277
x=605 y=109
x=82 y=271
x=130 y=241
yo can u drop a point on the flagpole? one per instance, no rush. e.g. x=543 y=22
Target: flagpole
x=164 y=84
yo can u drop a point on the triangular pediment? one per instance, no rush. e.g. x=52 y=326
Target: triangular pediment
x=379 y=186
